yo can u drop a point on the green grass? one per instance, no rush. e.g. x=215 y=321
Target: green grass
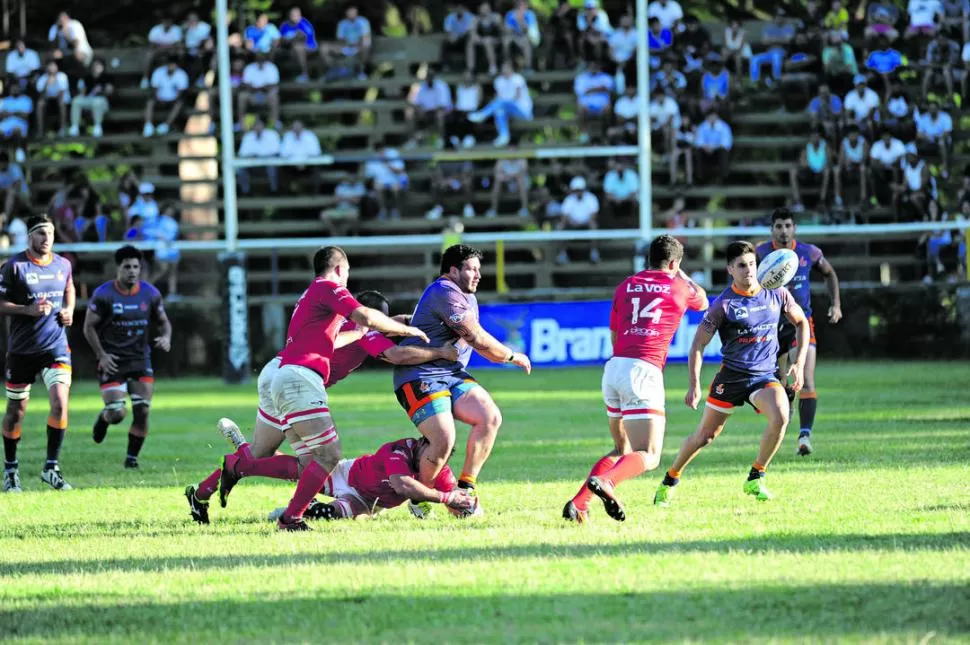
x=869 y=539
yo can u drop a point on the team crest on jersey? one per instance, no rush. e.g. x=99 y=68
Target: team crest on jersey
x=457 y=317
x=719 y=389
x=143 y=306
x=33 y=278
x=117 y=308
x=773 y=306
x=60 y=275
x=739 y=311
x=425 y=387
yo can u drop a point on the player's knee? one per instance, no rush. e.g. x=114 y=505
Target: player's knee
x=493 y=420
x=651 y=459
x=114 y=412
x=139 y=412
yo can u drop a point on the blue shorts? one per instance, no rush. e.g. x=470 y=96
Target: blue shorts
x=424 y=398
x=731 y=389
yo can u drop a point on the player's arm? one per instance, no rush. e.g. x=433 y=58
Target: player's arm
x=407 y=486
x=8 y=281
x=66 y=314
x=698 y=297
x=349 y=337
x=415 y=355
x=832 y=286
x=107 y=362
x=403 y=318
x=379 y=322
x=472 y=332
x=695 y=360
x=164 y=341
x=803 y=333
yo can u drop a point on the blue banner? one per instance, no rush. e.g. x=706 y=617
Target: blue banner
x=566 y=334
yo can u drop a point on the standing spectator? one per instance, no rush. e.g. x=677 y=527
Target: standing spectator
x=623 y=49
x=626 y=113
x=713 y=145
x=198 y=46
x=15 y=111
x=300 y=36
x=165 y=42
x=53 y=89
x=485 y=33
x=169 y=85
x=934 y=130
x=839 y=63
x=777 y=37
x=580 y=212
x=262 y=37
x=561 y=35
x=593 y=25
x=814 y=168
x=861 y=104
x=684 y=139
x=458 y=28
x=259 y=143
x=301 y=145
x=620 y=188
x=522 y=30
x=942 y=55
x=93 y=92
x=853 y=154
x=659 y=42
x=22 y=64
x=737 y=49
x=354 y=39
x=260 y=86
x=837 y=20
x=826 y=111
x=512 y=100
x=594 y=95
x=429 y=104
x=885 y=156
x=924 y=17
x=915 y=191
x=468 y=98
x=511 y=175
x=70 y=40
x=664 y=121
x=389 y=181
x=13 y=187
x=668 y=12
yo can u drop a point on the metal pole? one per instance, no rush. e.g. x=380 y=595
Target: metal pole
x=643 y=125
x=230 y=213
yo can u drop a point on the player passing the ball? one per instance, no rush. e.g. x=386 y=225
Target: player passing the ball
x=647 y=310
x=745 y=316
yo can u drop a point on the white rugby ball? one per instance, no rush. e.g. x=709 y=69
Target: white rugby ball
x=777 y=269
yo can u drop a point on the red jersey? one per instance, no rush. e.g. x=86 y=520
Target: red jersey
x=314 y=325
x=370 y=473
x=647 y=310
x=349 y=357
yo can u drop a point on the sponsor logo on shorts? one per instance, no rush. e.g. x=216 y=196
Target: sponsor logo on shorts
x=425 y=387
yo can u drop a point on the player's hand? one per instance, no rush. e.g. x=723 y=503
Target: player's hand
x=39 y=308
x=521 y=360
x=66 y=317
x=108 y=363
x=451 y=351
x=693 y=397
x=414 y=332
x=835 y=314
x=797 y=372
x=163 y=343
x=459 y=501
x=404 y=319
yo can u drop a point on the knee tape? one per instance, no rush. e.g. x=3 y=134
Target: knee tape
x=56 y=376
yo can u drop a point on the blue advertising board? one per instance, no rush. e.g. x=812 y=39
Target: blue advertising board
x=568 y=334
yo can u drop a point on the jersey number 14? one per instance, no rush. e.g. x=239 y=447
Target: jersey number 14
x=651 y=311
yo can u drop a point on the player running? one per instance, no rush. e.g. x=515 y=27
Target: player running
x=647 y=310
x=354 y=344
x=434 y=394
x=298 y=391
x=809 y=257
x=37 y=292
x=745 y=316
x=116 y=327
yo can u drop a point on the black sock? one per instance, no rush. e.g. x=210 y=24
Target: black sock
x=10 y=449
x=466 y=485
x=10 y=465
x=100 y=429
x=55 y=437
x=806 y=414
x=754 y=474
x=134 y=445
x=670 y=481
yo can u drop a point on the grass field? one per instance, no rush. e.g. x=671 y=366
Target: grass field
x=869 y=539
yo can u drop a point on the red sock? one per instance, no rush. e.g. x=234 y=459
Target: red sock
x=581 y=500
x=275 y=467
x=628 y=467
x=311 y=481
x=208 y=486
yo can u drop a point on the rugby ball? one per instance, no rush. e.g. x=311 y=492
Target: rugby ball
x=777 y=269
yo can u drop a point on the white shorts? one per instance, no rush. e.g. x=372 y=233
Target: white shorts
x=298 y=395
x=267 y=412
x=338 y=487
x=633 y=389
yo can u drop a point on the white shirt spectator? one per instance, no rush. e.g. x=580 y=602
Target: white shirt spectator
x=468 y=98
x=261 y=76
x=18 y=234
x=22 y=65
x=165 y=37
x=348 y=191
x=300 y=147
x=76 y=31
x=714 y=136
x=167 y=86
x=934 y=128
x=627 y=107
x=196 y=35
x=260 y=144
x=668 y=15
x=621 y=186
x=60 y=84
x=435 y=97
x=861 y=106
x=664 y=112
x=386 y=171
x=513 y=88
x=623 y=44
x=587 y=81
x=600 y=22
x=922 y=13
x=888 y=154
x=580 y=210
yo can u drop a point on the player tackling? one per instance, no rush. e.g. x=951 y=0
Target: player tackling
x=647 y=310
x=116 y=327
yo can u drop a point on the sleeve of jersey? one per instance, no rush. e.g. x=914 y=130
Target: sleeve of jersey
x=97 y=303
x=6 y=280
x=815 y=255
x=715 y=316
x=396 y=458
x=788 y=303
x=695 y=300
x=339 y=299
x=454 y=311
x=375 y=343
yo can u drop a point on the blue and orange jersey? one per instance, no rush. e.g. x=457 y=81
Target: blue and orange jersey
x=809 y=257
x=125 y=316
x=25 y=280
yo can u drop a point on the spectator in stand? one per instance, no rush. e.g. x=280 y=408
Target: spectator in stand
x=53 y=90
x=561 y=35
x=924 y=17
x=389 y=180
x=169 y=85
x=15 y=111
x=133 y=232
x=429 y=104
x=713 y=147
x=660 y=42
x=92 y=93
x=512 y=100
x=259 y=143
x=942 y=55
x=236 y=68
x=885 y=156
x=826 y=112
x=934 y=133
x=13 y=187
x=884 y=60
x=17 y=232
x=915 y=191
x=963 y=195
x=684 y=139
x=349 y=192
x=354 y=40
x=458 y=28
x=715 y=86
x=580 y=212
x=262 y=37
x=165 y=231
x=522 y=30
x=694 y=45
x=881 y=19
x=300 y=37
x=668 y=12
x=778 y=38
x=145 y=206
x=670 y=79
x=839 y=63
x=511 y=175
x=853 y=154
x=620 y=190
x=301 y=145
x=452 y=178
x=814 y=168
x=165 y=42
x=965 y=73
x=664 y=121
x=468 y=98
x=485 y=33
x=260 y=86
x=593 y=25
x=861 y=105
x=594 y=95
x=956 y=18
x=22 y=64
x=737 y=49
x=199 y=46
x=623 y=49
x=626 y=112
x=129 y=188
x=837 y=20
x=70 y=40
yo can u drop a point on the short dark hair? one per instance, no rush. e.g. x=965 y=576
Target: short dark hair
x=780 y=214
x=36 y=220
x=455 y=256
x=663 y=250
x=373 y=299
x=327 y=258
x=128 y=252
x=737 y=249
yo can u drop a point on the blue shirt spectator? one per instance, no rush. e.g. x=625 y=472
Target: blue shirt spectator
x=834 y=104
x=263 y=35
x=884 y=61
x=296 y=24
x=521 y=28
x=459 y=23
x=714 y=133
x=353 y=29
x=11 y=175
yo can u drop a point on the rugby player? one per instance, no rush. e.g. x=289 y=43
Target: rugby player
x=809 y=257
x=37 y=292
x=436 y=393
x=745 y=316
x=116 y=327
x=647 y=310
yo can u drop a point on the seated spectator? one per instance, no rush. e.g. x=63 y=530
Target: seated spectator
x=965 y=74
x=17 y=232
x=626 y=114
x=511 y=175
x=621 y=187
x=169 y=84
x=664 y=121
x=92 y=93
x=236 y=68
x=129 y=188
x=826 y=111
x=737 y=49
x=53 y=90
x=885 y=156
x=942 y=55
x=428 y=105
x=349 y=192
x=594 y=95
x=133 y=232
x=145 y=206
x=522 y=30
x=263 y=37
x=452 y=179
x=485 y=33
x=956 y=18
x=389 y=181
x=671 y=80
x=715 y=87
x=15 y=111
x=837 y=20
x=259 y=143
x=468 y=98
x=165 y=42
x=593 y=25
x=684 y=138
x=694 y=44
x=963 y=195
x=354 y=40
x=668 y=12
x=512 y=100
x=164 y=231
x=924 y=17
x=839 y=63
x=853 y=154
x=13 y=187
x=458 y=27
x=934 y=132
x=777 y=37
x=560 y=36
x=300 y=37
x=881 y=19
x=260 y=86
x=623 y=49
x=22 y=64
x=659 y=41
x=915 y=191
x=898 y=115
x=301 y=145
x=814 y=168
x=70 y=40
x=861 y=105
x=713 y=147
x=199 y=46
x=884 y=61
x=580 y=212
